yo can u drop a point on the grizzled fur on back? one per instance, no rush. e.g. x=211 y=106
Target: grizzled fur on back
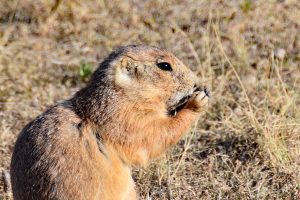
x=98 y=92
x=101 y=89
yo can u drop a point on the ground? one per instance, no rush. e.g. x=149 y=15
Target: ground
x=245 y=146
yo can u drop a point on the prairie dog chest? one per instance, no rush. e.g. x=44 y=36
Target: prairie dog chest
x=122 y=186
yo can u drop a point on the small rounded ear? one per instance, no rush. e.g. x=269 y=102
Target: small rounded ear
x=126 y=71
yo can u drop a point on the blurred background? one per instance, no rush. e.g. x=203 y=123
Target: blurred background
x=245 y=146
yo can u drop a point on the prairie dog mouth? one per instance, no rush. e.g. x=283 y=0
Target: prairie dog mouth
x=174 y=109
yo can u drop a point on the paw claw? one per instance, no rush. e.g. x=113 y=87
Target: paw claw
x=199 y=100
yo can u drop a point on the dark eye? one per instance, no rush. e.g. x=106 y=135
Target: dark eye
x=164 y=66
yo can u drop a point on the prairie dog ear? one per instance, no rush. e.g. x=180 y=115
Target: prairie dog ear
x=126 y=72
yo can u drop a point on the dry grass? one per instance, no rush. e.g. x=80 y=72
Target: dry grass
x=246 y=146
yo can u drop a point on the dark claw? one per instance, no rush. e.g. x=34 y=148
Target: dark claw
x=197 y=88
x=206 y=91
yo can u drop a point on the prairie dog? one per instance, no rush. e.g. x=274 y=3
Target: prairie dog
x=139 y=102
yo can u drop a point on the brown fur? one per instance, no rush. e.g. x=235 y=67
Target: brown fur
x=84 y=147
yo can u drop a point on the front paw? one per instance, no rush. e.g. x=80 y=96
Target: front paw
x=199 y=100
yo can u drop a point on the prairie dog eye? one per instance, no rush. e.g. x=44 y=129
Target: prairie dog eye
x=164 y=66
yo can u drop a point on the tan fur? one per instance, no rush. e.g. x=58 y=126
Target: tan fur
x=84 y=148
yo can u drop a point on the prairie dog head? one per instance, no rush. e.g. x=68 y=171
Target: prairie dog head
x=151 y=77
x=154 y=76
